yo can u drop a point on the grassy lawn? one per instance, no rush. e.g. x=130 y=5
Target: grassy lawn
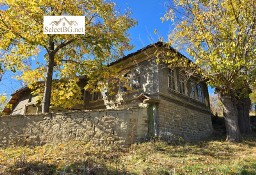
x=207 y=157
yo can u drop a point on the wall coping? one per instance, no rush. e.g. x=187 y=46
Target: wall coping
x=74 y=111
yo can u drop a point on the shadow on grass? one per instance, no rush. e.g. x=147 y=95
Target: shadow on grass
x=249 y=169
x=33 y=168
x=215 y=146
x=77 y=168
x=250 y=139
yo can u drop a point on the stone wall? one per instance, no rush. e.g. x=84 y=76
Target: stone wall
x=172 y=120
x=126 y=126
x=180 y=120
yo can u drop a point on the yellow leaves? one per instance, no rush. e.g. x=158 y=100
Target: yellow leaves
x=61 y=92
x=209 y=157
x=169 y=15
x=18 y=56
x=69 y=70
x=218 y=38
x=33 y=76
x=3 y=101
x=66 y=94
x=21 y=35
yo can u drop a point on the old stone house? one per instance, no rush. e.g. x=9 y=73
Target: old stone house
x=177 y=106
x=22 y=102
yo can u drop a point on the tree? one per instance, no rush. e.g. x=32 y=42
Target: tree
x=3 y=101
x=1 y=66
x=243 y=104
x=220 y=36
x=253 y=94
x=216 y=106
x=21 y=35
x=253 y=98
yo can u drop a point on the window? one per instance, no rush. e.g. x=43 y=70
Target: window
x=96 y=96
x=122 y=88
x=199 y=93
x=193 y=89
x=134 y=81
x=171 y=79
x=30 y=98
x=182 y=84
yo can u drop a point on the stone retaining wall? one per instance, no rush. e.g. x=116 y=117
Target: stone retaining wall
x=178 y=121
x=126 y=126
x=172 y=121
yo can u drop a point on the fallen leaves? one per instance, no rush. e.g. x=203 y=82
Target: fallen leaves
x=78 y=157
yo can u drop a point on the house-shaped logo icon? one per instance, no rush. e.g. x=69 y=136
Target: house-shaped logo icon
x=64 y=25
x=64 y=21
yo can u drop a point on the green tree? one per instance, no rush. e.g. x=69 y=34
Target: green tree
x=220 y=36
x=21 y=35
x=253 y=95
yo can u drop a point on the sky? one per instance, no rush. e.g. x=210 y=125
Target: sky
x=147 y=13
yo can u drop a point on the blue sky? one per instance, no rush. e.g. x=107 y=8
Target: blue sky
x=146 y=12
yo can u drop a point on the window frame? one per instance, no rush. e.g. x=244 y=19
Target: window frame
x=200 y=95
x=182 y=84
x=171 y=79
x=95 y=96
x=133 y=81
x=192 y=86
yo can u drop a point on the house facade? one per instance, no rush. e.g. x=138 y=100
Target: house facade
x=177 y=105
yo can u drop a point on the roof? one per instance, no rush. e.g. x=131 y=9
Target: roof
x=157 y=44
x=14 y=98
x=137 y=52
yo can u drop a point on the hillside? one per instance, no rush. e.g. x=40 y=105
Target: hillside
x=207 y=157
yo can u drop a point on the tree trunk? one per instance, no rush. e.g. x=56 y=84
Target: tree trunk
x=48 y=84
x=231 y=118
x=243 y=107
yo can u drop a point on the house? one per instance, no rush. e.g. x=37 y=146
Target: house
x=178 y=106
x=23 y=102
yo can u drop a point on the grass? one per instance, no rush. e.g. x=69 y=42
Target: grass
x=76 y=157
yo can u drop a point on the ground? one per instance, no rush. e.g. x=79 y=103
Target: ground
x=215 y=156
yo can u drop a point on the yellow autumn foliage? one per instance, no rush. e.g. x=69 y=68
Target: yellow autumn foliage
x=65 y=56
x=220 y=37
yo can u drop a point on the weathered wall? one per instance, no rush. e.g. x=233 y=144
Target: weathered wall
x=179 y=120
x=179 y=116
x=148 y=71
x=127 y=126
x=19 y=107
